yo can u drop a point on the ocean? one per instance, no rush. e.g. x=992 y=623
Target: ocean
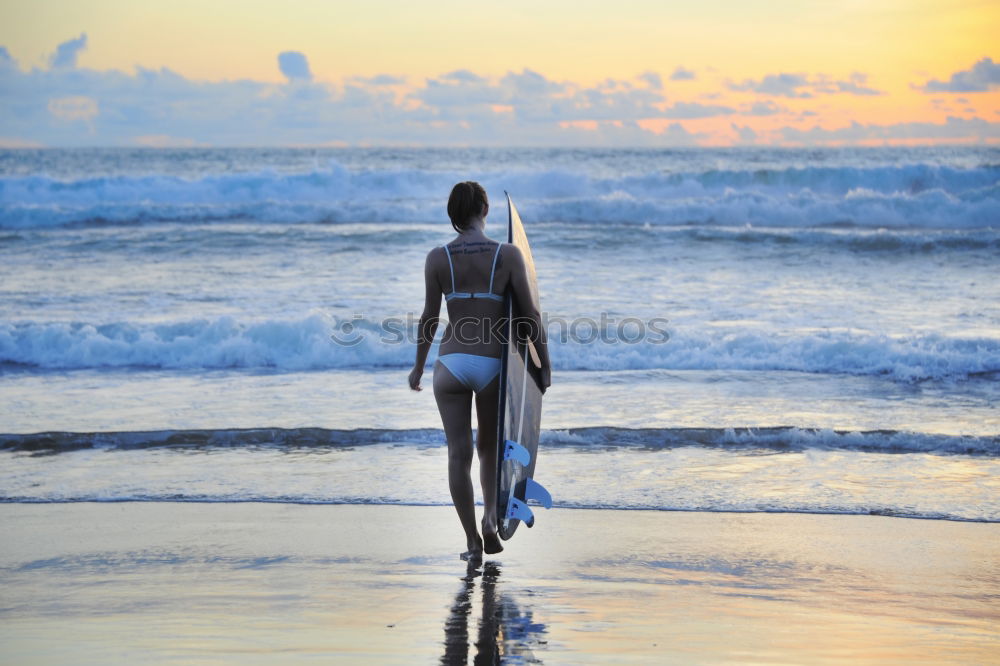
x=752 y=330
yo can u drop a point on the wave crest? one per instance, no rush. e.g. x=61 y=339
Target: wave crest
x=306 y=344
x=780 y=438
x=909 y=195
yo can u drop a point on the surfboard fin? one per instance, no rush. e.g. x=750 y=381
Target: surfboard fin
x=520 y=511
x=536 y=491
x=514 y=451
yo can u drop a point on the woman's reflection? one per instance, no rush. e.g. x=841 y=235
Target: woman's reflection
x=503 y=629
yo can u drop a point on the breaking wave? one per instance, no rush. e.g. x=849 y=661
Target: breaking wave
x=907 y=195
x=306 y=344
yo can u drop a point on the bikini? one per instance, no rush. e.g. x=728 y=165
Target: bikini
x=475 y=372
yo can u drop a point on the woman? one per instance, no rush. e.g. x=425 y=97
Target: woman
x=473 y=272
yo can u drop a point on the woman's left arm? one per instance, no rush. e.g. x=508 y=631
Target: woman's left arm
x=428 y=321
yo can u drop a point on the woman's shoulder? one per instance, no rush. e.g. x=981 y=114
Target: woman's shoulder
x=511 y=252
x=435 y=256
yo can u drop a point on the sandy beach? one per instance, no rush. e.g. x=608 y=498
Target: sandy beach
x=275 y=583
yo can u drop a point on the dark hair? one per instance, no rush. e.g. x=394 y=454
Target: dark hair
x=466 y=202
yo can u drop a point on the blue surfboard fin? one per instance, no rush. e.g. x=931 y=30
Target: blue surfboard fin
x=514 y=451
x=536 y=491
x=520 y=511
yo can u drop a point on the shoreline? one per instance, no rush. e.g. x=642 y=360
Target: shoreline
x=216 y=582
x=479 y=505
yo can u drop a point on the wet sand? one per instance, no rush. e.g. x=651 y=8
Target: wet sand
x=278 y=583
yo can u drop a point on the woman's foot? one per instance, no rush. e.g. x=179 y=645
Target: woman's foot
x=475 y=552
x=472 y=556
x=491 y=541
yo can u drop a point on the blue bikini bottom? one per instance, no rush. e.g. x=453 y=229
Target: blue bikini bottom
x=474 y=372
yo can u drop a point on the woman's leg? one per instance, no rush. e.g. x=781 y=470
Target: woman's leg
x=454 y=402
x=486 y=446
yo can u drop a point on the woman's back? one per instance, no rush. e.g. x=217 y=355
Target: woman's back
x=471 y=274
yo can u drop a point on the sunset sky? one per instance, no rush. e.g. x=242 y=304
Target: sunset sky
x=628 y=73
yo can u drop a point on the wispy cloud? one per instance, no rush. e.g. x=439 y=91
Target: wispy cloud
x=981 y=77
x=780 y=85
x=462 y=76
x=379 y=80
x=532 y=97
x=856 y=84
x=66 y=53
x=682 y=74
x=954 y=128
x=763 y=108
x=696 y=110
x=652 y=79
x=797 y=85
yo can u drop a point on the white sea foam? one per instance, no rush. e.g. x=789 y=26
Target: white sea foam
x=307 y=344
x=909 y=195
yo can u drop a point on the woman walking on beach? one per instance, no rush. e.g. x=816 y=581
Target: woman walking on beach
x=472 y=272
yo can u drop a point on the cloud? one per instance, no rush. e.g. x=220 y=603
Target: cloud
x=528 y=82
x=682 y=74
x=294 y=66
x=696 y=110
x=675 y=134
x=66 y=53
x=5 y=59
x=615 y=133
x=75 y=107
x=462 y=76
x=801 y=86
x=652 y=79
x=780 y=85
x=449 y=91
x=981 y=77
x=764 y=108
x=953 y=129
x=379 y=80
x=533 y=98
x=855 y=85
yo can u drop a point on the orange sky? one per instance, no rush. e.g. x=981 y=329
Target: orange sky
x=895 y=46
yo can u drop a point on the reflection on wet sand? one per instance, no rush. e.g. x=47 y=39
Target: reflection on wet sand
x=505 y=630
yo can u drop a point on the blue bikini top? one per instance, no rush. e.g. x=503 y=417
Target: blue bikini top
x=464 y=294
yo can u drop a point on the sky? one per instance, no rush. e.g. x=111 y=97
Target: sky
x=554 y=73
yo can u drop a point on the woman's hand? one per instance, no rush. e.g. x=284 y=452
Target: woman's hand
x=546 y=377
x=415 y=375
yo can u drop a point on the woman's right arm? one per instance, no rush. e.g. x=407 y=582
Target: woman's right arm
x=428 y=321
x=525 y=310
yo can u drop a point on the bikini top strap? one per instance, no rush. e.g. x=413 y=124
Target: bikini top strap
x=494 y=269
x=451 y=268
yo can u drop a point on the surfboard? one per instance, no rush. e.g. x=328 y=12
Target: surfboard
x=520 y=411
